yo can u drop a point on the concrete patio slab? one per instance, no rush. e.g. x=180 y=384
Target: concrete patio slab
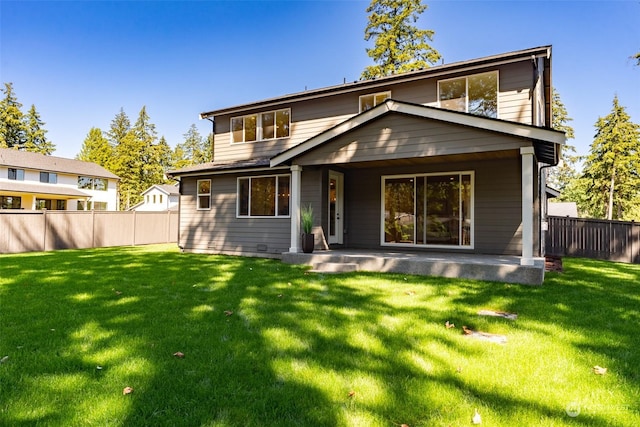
x=498 y=268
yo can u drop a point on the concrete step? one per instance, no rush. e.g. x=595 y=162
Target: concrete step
x=334 y=267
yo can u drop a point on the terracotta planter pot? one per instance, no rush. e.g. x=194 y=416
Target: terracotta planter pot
x=308 y=242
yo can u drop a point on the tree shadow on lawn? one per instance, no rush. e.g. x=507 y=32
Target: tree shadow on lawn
x=264 y=344
x=593 y=307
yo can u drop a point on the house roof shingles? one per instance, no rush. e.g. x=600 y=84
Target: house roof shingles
x=10 y=157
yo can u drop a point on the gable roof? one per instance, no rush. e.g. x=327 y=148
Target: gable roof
x=10 y=157
x=544 y=140
x=165 y=188
x=435 y=71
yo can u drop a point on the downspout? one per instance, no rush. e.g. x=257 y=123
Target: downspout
x=542 y=196
x=213 y=136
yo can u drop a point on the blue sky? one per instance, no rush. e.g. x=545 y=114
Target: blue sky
x=80 y=62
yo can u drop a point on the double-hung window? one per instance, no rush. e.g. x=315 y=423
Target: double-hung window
x=367 y=102
x=476 y=94
x=258 y=127
x=264 y=196
x=204 y=194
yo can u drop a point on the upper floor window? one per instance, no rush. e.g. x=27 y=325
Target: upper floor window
x=476 y=94
x=49 y=177
x=257 y=127
x=204 y=194
x=367 y=102
x=89 y=183
x=264 y=196
x=16 y=174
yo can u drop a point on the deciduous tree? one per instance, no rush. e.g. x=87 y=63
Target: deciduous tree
x=399 y=46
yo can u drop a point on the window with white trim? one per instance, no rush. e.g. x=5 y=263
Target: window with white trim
x=262 y=126
x=367 y=102
x=428 y=210
x=475 y=94
x=264 y=196
x=204 y=194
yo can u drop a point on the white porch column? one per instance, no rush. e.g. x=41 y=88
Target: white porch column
x=295 y=208
x=527 y=154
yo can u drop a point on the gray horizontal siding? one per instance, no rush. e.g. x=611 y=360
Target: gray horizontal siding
x=497 y=203
x=218 y=230
x=310 y=117
x=398 y=136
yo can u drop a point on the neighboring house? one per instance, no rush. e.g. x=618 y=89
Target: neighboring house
x=440 y=159
x=569 y=209
x=159 y=197
x=33 y=181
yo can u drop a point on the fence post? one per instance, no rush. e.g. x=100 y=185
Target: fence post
x=93 y=229
x=44 y=237
x=134 y=229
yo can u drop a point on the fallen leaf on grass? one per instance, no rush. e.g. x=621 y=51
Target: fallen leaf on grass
x=4 y=359
x=410 y=292
x=467 y=331
x=228 y=312
x=476 y=419
x=352 y=393
x=127 y=390
x=449 y=325
x=599 y=370
x=179 y=354
x=99 y=368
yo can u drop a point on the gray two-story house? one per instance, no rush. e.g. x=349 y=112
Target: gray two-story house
x=448 y=159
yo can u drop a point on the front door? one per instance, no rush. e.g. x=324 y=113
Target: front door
x=336 y=207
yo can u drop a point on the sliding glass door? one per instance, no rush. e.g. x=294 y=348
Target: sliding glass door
x=428 y=210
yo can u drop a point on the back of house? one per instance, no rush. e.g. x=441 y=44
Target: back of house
x=440 y=159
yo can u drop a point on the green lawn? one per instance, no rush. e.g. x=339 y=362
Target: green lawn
x=267 y=344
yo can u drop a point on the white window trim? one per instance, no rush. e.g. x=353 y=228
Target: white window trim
x=259 y=137
x=466 y=78
x=198 y=194
x=238 y=216
x=425 y=245
x=386 y=92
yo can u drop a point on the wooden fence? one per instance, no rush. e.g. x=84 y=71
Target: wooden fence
x=593 y=238
x=28 y=231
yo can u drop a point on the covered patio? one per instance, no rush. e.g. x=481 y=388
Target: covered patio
x=498 y=268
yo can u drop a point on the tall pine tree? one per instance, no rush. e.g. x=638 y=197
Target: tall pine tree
x=399 y=46
x=562 y=175
x=193 y=150
x=36 y=140
x=96 y=149
x=611 y=168
x=120 y=126
x=13 y=131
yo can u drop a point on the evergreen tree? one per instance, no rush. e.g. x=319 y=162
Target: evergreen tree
x=96 y=149
x=194 y=149
x=611 y=168
x=560 y=176
x=164 y=155
x=399 y=46
x=35 y=135
x=13 y=131
x=120 y=126
x=128 y=164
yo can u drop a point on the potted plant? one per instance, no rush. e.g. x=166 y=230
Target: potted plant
x=306 y=220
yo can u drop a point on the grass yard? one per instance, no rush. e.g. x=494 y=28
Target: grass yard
x=266 y=344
